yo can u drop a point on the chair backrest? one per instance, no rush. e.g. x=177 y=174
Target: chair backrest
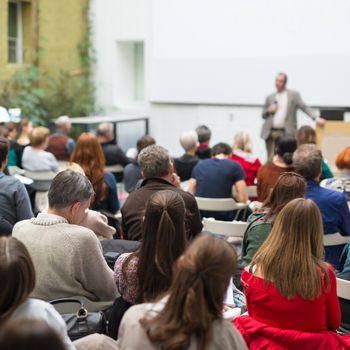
x=252 y=191
x=117 y=168
x=219 y=204
x=40 y=175
x=227 y=228
x=343 y=289
x=335 y=239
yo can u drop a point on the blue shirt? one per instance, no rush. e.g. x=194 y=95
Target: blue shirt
x=215 y=178
x=335 y=215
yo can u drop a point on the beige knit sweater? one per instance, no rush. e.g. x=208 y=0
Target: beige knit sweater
x=68 y=259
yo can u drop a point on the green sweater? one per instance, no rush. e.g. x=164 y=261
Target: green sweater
x=255 y=235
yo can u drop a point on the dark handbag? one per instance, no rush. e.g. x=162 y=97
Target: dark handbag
x=82 y=323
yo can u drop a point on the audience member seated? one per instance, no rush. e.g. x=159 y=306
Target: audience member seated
x=189 y=316
x=67 y=257
x=113 y=153
x=23 y=316
x=242 y=153
x=158 y=173
x=25 y=129
x=282 y=162
x=89 y=155
x=35 y=158
x=18 y=281
x=132 y=171
x=145 y=274
x=306 y=134
x=307 y=161
x=204 y=135
x=219 y=177
x=185 y=163
x=345 y=264
x=15 y=152
x=14 y=200
x=60 y=144
x=291 y=292
x=341 y=183
x=288 y=187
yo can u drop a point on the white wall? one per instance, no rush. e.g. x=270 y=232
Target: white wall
x=117 y=24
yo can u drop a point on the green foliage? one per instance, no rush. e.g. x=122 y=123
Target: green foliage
x=23 y=91
x=42 y=97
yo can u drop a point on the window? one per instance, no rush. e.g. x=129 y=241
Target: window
x=15 y=54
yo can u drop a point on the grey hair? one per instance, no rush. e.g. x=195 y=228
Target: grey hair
x=62 y=121
x=68 y=187
x=188 y=140
x=154 y=161
x=307 y=161
x=242 y=141
x=204 y=133
x=104 y=129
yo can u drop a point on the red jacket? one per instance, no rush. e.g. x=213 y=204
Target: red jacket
x=260 y=336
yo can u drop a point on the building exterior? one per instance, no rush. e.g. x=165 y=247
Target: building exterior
x=44 y=32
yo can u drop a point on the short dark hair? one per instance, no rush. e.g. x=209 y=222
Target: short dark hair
x=221 y=148
x=307 y=160
x=285 y=77
x=144 y=142
x=204 y=133
x=68 y=187
x=4 y=149
x=284 y=147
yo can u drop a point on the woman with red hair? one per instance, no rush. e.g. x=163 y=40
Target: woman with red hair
x=89 y=155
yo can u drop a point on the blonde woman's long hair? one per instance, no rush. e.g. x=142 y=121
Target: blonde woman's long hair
x=292 y=255
x=242 y=141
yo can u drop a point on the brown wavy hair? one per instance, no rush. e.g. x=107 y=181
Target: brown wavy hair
x=195 y=297
x=289 y=185
x=89 y=155
x=17 y=275
x=292 y=255
x=163 y=241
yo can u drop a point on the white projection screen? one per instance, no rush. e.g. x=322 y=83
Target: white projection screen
x=229 y=51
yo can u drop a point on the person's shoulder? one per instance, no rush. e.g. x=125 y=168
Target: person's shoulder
x=20 y=226
x=109 y=177
x=330 y=194
x=226 y=336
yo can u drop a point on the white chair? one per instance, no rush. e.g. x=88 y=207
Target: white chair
x=40 y=175
x=343 y=289
x=220 y=204
x=226 y=228
x=335 y=239
x=252 y=191
x=117 y=168
x=13 y=170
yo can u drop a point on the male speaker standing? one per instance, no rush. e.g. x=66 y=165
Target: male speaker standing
x=280 y=113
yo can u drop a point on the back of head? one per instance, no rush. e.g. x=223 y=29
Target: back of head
x=204 y=134
x=105 y=129
x=289 y=186
x=221 y=148
x=17 y=275
x=343 y=159
x=189 y=140
x=196 y=295
x=144 y=142
x=89 y=155
x=307 y=161
x=29 y=334
x=284 y=148
x=306 y=134
x=163 y=241
x=154 y=162
x=38 y=136
x=242 y=141
x=63 y=123
x=4 y=150
x=292 y=254
x=69 y=187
